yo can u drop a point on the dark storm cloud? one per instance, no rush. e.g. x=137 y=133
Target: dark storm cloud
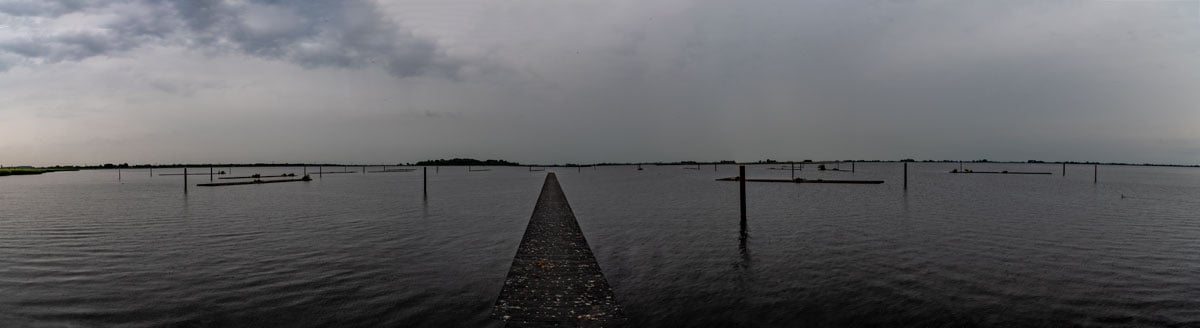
x=331 y=33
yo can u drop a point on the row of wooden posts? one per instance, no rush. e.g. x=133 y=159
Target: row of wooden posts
x=320 y=174
x=741 y=175
x=742 y=182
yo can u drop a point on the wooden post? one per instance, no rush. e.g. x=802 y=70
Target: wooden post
x=851 y=166
x=1064 y=169
x=185 y=176
x=714 y=167
x=364 y=169
x=321 y=171
x=793 y=170
x=742 y=192
x=152 y=172
x=905 y=175
x=306 y=170
x=579 y=169
x=425 y=181
x=960 y=166
x=118 y=174
x=210 y=173
x=1095 y=175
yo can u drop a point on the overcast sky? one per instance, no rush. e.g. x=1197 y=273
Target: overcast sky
x=159 y=81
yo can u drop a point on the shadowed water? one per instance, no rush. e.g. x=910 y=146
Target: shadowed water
x=83 y=249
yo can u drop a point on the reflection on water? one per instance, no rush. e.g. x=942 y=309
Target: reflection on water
x=743 y=249
x=374 y=250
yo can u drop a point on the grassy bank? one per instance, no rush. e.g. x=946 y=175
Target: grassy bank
x=28 y=171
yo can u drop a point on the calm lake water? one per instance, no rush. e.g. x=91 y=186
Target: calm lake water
x=81 y=249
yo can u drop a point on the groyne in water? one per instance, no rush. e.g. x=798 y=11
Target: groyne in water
x=554 y=280
x=806 y=180
x=218 y=184
x=998 y=172
x=256 y=176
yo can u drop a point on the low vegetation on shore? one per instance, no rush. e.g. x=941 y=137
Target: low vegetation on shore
x=29 y=171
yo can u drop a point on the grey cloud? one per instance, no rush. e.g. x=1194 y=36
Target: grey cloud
x=40 y=7
x=623 y=80
x=329 y=33
x=182 y=87
x=75 y=45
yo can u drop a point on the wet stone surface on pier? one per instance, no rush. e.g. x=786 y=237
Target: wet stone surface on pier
x=554 y=280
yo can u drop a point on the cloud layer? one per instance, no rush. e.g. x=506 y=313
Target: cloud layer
x=335 y=33
x=589 y=81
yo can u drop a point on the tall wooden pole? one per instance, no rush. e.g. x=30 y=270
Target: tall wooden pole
x=306 y=170
x=851 y=167
x=210 y=172
x=1095 y=174
x=321 y=172
x=425 y=181
x=151 y=172
x=793 y=170
x=185 y=183
x=1064 y=169
x=118 y=174
x=742 y=192
x=905 y=175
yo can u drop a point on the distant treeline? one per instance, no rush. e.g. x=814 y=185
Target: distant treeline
x=466 y=161
x=26 y=170
x=180 y=165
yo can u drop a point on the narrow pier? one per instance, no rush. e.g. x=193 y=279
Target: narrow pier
x=392 y=170
x=256 y=176
x=798 y=180
x=168 y=174
x=554 y=280
x=998 y=172
x=256 y=181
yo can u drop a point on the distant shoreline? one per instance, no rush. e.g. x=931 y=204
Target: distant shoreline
x=28 y=170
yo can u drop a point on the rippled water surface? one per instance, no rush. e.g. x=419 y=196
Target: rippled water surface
x=82 y=249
